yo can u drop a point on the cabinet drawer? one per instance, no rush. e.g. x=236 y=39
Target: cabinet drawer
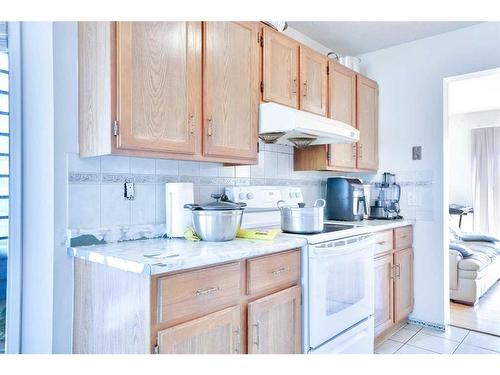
x=403 y=237
x=272 y=271
x=196 y=293
x=383 y=242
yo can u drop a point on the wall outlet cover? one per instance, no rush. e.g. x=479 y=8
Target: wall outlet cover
x=417 y=152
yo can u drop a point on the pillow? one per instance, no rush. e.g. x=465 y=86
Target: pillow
x=478 y=237
x=463 y=250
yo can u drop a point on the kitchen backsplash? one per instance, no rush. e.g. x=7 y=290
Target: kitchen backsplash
x=96 y=184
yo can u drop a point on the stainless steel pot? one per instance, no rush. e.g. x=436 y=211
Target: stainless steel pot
x=217 y=221
x=302 y=219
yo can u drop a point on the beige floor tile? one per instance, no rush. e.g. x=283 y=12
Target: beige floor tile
x=403 y=335
x=469 y=349
x=451 y=333
x=483 y=340
x=412 y=327
x=433 y=343
x=409 y=349
x=388 y=347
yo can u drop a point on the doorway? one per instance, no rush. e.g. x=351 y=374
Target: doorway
x=472 y=162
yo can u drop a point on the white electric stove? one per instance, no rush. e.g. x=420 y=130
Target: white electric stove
x=337 y=273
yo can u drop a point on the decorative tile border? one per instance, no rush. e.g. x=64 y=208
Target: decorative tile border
x=117 y=178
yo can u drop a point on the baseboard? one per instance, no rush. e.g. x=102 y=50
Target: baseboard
x=426 y=324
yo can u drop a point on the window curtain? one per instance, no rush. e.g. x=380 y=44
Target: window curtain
x=486 y=179
x=3 y=36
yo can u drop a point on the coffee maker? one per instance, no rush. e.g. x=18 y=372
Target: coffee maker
x=345 y=199
x=386 y=196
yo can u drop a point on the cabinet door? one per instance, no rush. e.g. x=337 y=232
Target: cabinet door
x=313 y=81
x=280 y=69
x=217 y=333
x=231 y=89
x=158 y=73
x=367 y=119
x=384 y=294
x=403 y=263
x=342 y=108
x=274 y=323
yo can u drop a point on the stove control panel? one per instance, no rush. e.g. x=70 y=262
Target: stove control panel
x=264 y=196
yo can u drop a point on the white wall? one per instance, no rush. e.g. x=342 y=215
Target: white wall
x=410 y=77
x=460 y=151
x=38 y=187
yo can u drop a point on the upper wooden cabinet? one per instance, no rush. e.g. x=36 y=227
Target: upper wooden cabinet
x=342 y=88
x=158 y=77
x=280 y=68
x=231 y=64
x=274 y=323
x=367 y=120
x=141 y=91
x=313 y=81
x=216 y=333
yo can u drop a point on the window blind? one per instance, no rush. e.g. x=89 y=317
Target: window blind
x=3 y=36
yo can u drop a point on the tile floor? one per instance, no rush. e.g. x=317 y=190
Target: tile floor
x=412 y=339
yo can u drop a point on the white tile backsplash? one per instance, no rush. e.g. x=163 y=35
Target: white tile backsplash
x=115 y=164
x=84 y=206
x=167 y=167
x=142 y=166
x=94 y=204
x=115 y=209
x=142 y=208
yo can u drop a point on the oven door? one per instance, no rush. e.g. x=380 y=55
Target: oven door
x=341 y=286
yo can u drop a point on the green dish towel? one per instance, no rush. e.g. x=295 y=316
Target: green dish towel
x=191 y=235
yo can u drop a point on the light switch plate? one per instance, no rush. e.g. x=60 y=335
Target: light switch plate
x=417 y=152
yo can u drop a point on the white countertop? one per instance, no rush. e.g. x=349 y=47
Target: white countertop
x=168 y=255
x=178 y=254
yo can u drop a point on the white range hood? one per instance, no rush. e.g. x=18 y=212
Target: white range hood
x=300 y=125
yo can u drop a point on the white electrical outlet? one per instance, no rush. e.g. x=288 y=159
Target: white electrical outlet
x=412 y=197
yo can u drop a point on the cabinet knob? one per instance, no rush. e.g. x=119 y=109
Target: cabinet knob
x=210 y=129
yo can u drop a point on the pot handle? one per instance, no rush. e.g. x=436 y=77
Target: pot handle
x=320 y=203
x=281 y=204
x=191 y=206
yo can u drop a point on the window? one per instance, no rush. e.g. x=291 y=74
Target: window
x=4 y=176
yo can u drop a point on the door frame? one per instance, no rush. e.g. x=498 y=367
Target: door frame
x=446 y=177
x=14 y=267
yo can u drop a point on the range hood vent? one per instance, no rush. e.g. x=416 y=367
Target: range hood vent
x=289 y=126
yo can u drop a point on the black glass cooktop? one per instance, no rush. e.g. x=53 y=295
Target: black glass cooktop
x=336 y=227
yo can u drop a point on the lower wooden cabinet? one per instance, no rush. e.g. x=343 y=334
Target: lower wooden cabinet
x=216 y=333
x=274 y=323
x=393 y=287
x=384 y=293
x=403 y=283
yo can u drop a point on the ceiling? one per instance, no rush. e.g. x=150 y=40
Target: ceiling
x=355 y=38
x=474 y=94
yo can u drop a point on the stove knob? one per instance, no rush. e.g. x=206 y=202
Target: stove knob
x=242 y=195
x=250 y=196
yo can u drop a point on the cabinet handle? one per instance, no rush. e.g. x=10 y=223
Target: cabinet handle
x=398 y=271
x=381 y=242
x=192 y=121
x=210 y=127
x=354 y=151
x=202 y=292
x=393 y=272
x=294 y=86
x=305 y=88
x=256 y=338
x=237 y=346
x=279 y=271
x=360 y=151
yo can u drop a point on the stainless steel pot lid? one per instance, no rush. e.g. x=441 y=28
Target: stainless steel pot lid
x=222 y=203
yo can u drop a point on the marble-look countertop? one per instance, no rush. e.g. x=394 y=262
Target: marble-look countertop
x=156 y=256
